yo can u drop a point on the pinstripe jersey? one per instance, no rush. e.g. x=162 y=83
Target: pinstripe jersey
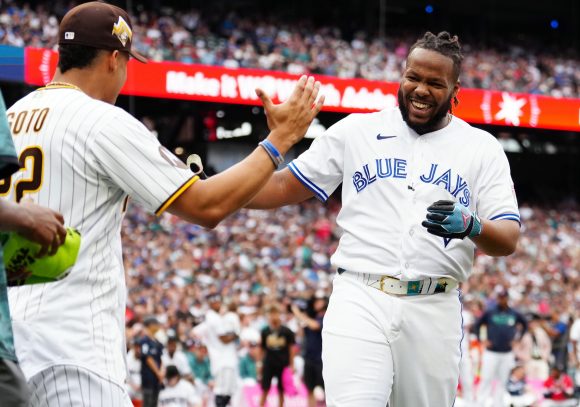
x=84 y=158
x=390 y=175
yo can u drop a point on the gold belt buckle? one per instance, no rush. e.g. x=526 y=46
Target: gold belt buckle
x=382 y=282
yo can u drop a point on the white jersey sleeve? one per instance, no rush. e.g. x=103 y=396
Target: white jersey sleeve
x=496 y=198
x=320 y=168
x=130 y=157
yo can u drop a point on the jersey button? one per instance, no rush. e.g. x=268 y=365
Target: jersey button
x=406 y=265
x=411 y=232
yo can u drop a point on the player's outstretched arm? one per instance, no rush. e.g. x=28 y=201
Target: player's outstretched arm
x=283 y=188
x=207 y=202
x=36 y=223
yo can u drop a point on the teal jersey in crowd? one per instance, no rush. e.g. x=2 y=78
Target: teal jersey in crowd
x=248 y=368
x=8 y=164
x=200 y=368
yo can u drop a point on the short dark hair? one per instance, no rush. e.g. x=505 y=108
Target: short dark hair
x=150 y=320
x=172 y=371
x=443 y=43
x=75 y=56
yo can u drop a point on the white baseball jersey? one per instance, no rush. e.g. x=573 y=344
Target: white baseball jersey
x=221 y=355
x=390 y=175
x=183 y=394
x=179 y=360
x=84 y=158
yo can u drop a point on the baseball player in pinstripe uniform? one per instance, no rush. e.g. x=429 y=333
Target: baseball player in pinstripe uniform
x=41 y=225
x=421 y=190
x=84 y=157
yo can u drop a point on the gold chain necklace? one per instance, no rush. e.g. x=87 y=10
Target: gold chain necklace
x=61 y=85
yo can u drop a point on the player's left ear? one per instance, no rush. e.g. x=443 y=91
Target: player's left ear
x=455 y=92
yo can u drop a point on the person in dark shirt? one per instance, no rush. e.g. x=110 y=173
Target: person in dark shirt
x=558 y=332
x=151 y=373
x=504 y=327
x=277 y=341
x=312 y=346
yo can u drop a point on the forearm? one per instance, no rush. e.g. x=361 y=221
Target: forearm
x=269 y=196
x=228 y=338
x=309 y=322
x=207 y=202
x=13 y=217
x=153 y=366
x=281 y=189
x=498 y=238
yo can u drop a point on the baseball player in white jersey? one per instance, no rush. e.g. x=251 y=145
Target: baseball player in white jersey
x=84 y=157
x=421 y=189
x=220 y=333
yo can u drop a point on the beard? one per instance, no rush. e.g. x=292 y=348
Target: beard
x=432 y=123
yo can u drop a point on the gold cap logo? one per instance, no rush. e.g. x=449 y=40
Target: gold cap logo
x=122 y=31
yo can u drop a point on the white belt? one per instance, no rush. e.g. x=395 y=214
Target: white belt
x=392 y=285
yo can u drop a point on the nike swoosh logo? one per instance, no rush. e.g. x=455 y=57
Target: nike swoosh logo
x=379 y=137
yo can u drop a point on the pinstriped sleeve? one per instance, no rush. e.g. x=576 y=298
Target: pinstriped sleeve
x=131 y=158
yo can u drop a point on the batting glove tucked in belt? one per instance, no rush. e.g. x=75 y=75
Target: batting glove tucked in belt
x=451 y=220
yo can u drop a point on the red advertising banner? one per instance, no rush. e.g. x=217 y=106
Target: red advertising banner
x=172 y=80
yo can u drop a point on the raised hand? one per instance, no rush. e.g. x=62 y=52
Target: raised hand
x=289 y=121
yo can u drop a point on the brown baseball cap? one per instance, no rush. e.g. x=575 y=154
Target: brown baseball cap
x=99 y=25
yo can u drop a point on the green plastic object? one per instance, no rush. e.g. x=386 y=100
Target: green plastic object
x=20 y=260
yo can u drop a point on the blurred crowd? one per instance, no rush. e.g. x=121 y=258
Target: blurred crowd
x=256 y=259
x=269 y=42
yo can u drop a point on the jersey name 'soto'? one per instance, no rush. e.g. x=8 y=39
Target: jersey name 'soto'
x=83 y=158
x=390 y=175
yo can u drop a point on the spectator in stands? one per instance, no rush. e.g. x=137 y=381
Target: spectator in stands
x=177 y=391
x=575 y=342
x=134 y=370
x=559 y=390
x=557 y=329
x=504 y=326
x=251 y=362
x=172 y=355
x=199 y=362
x=200 y=367
x=219 y=334
x=151 y=371
x=312 y=343
x=277 y=345
x=520 y=395
x=534 y=350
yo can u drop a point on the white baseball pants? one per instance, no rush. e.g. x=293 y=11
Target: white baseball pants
x=495 y=366
x=72 y=386
x=380 y=348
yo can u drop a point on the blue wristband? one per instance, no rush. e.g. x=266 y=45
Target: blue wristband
x=273 y=152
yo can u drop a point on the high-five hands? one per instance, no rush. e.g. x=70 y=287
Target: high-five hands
x=290 y=120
